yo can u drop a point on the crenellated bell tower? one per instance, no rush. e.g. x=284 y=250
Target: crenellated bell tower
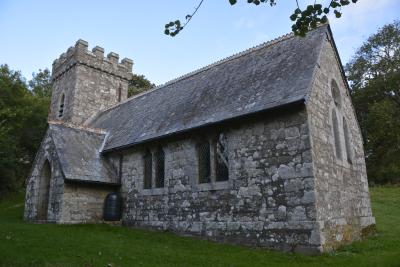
x=85 y=83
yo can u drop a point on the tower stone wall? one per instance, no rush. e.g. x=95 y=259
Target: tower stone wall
x=85 y=82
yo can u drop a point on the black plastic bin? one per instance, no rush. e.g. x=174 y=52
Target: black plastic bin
x=112 y=207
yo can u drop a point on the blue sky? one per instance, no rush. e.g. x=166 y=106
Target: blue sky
x=34 y=33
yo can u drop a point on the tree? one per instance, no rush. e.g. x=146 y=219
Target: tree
x=11 y=91
x=40 y=84
x=374 y=76
x=23 y=121
x=138 y=84
x=303 y=19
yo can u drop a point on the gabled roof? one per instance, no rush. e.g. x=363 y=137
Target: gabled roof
x=79 y=157
x=273 y=74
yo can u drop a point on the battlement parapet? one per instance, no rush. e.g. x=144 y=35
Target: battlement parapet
x=79 y=54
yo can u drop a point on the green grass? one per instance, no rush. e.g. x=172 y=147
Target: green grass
x=23 y=244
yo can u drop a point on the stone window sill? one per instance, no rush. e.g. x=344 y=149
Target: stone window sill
x=154 y=191
x=212 y=186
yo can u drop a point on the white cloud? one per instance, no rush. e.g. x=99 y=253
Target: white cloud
x=358 y=16
x=359 y=21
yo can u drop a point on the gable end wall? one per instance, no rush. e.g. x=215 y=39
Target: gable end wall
x=343 y=202
x=46 y=152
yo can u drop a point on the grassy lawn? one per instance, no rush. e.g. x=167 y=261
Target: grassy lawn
x=23 y=244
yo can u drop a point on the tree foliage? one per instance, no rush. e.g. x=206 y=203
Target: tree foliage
x=40 y=84
x=138 y=84
x=374 y=76
x=23 y=116
x=303 y=19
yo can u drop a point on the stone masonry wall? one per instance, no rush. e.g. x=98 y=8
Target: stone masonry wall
x=268 y=201
x=89 y=81
x=343 y=203
x=46 y=152
x=84 y=203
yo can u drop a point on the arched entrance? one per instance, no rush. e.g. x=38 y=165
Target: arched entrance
x=44 y=190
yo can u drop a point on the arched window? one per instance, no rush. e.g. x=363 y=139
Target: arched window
x=336 y=94
x=44 y=191
x=61 y=107
x=204 y=166
x=148 y=163
x=336 y=135
x=221 y=162
x=160 y=167
x=347 y=142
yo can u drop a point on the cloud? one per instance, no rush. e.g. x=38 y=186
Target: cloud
x=358 y=16
x=359 y=21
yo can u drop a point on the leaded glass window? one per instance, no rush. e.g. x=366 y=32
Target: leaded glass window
x=336 y=135
x=203 y=154
x=347 y=142
x=160 y=167
x=148 y=162
x=335 y=94
x=221 y=155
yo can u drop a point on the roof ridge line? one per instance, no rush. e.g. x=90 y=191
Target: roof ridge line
x=204 y=68
x=78 y=127
x=229 y=58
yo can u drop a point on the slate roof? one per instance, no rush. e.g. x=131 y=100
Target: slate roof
x=264 y=77
x=79 y=157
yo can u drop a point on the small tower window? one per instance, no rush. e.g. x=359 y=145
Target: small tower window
x=204 y=166
x=336 y=135
x=335 y=93
x=222 y=166
x=148 y=162
x=160 y=167
x=347 y=141
x=61 y=107
x=119 y=92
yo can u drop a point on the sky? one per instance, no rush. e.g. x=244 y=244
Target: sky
x=34 y=33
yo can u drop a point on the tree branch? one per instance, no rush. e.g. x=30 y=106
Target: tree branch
x=194 y=13
x=304 y=20
x=174 y=27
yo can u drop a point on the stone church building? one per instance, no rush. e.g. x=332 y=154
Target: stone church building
x=262 y=148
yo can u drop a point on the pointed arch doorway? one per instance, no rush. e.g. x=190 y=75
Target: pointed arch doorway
x=44 y=191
